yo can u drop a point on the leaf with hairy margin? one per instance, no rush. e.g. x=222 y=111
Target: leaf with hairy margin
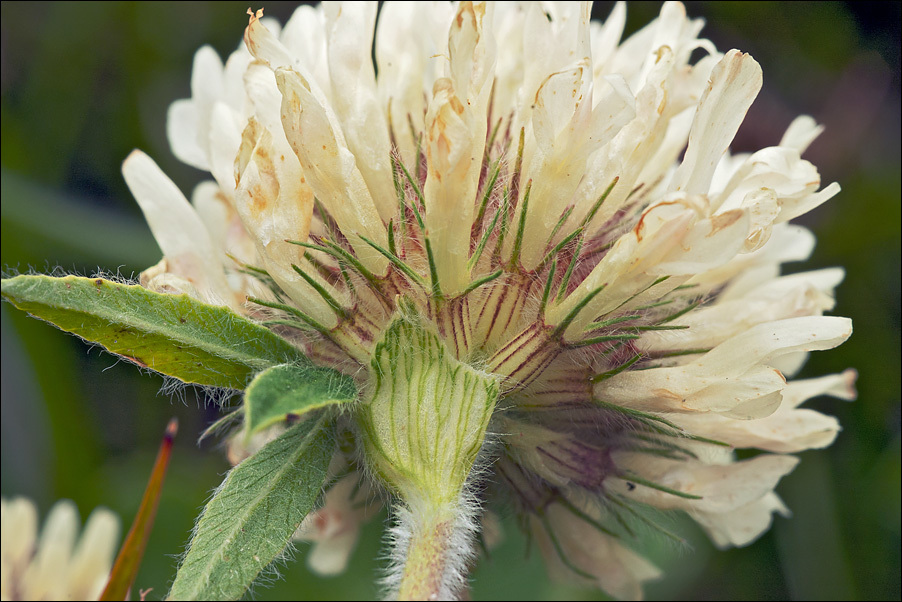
x=252 y=516
x=175 y=335
x=289 y=389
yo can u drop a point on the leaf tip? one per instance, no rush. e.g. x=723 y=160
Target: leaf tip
x=172 y=430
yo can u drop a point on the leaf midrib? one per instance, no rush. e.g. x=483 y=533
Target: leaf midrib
x=215 y=349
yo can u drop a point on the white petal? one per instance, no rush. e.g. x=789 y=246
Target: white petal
x=43 y=579
x=767 y=341
x=18 y=535
x=411 y=45
x=734 y=84
x=330 y=558
x=224 y=141
x=802 y=206
x=93 y=555
x=182 y=237
x=182 y=126
x=841 y=386
x=787 y=243
x=350 y=43
x=801 y=133
x=805 y=294
x=606 y=37
x=455 y=143
x=735 y=376
x=721 y=488
x=206 y=76
x=304 y=36
x=785 y=431
x=334 y=528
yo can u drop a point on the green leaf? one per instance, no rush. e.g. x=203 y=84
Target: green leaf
x=175 y=335
x=292 y=389
x=254 y=513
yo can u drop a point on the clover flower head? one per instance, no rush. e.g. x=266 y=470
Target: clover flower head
x=58 y=564
x=528 y=242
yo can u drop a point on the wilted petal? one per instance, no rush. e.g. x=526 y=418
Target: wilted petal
x=276 y=207
x=615 y=568
x=330 y=168
x=334 y=529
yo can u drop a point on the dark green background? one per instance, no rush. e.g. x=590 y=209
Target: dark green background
x=84 y=83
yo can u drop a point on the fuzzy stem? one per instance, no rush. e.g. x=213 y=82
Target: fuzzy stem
x=433 y=547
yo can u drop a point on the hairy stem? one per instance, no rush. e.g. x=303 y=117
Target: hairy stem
x=432 y=549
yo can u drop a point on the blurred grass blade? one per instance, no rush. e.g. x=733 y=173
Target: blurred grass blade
x=81 y=231
x=129 y=559
x=175 y=335
x=285 y=390
x=253 y=514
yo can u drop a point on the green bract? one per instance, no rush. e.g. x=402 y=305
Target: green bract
x=425 y=418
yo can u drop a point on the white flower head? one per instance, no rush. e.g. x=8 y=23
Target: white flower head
x=534 y=204
x=56 y=564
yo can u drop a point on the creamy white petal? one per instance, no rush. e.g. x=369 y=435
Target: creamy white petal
x=18 y=536
x=182 y=125
x=455 y=143
x=334 y=529
x=178 y=230
x=411 y=46
x=721 y=488
x=801 y=133
x=615 y=568
x=224 y=141
x=787 y=430
x=734 y=84
x=744 y=525
x=841 y=386
x=330 y=168
x=630 y=152
x=672 y=238
x=42 y=578
x=732 y=375
x=798 y=207
x=349 y=28
x=92 y=559
x=739 y=308
x=787 y=243
x=304 y=36
x=329 y=558
x=605 y=38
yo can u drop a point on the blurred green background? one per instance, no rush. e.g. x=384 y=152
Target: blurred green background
x=84 y=83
